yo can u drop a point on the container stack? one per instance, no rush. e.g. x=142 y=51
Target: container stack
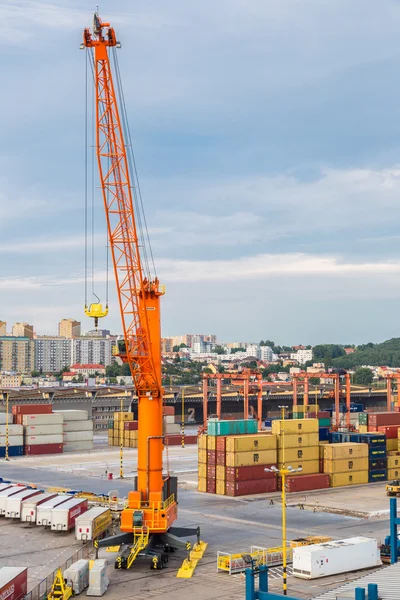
x=393 y=465
x=387 y=423
x=377 y=455
x=15 y=437
x=43 y=434
x=346 y=463
x=123 y=428
x=169 y=425
x=77 y=430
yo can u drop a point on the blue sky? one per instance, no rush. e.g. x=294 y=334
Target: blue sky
x=267 y=137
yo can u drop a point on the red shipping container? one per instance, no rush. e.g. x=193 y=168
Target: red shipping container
x=211 y=457
x=32 y=409
x=173 y=440
x=390 y=431
x=372 y=428
x=169 y=411
x=384 y=418
x=221 y=458
x=304 y=483
x=324 y=414
x=254 y=486
x=44 y=449
x=248 y=473
x=13 y=583
x=221 y=444
x=190 y=439
x=211 y=472
x=211 y=486
x=131 y=425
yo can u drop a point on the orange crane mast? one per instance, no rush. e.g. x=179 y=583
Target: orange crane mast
x=150 y=506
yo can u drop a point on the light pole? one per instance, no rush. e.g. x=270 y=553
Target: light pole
x=183 y=417
x=283 y=472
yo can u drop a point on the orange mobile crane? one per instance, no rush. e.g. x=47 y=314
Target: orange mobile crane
x=152 y=508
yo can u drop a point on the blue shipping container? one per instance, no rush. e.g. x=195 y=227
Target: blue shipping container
x=378 y=475
x=377 y=463
x=355 y=438
x=12 y=451
x=336 y=437
x=374 y=439
x=376 y=453
x=323 y=434
x=268 y=422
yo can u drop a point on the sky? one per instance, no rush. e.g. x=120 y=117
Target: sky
x=267 y=140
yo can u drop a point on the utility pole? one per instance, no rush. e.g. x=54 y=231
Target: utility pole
x=183 y=417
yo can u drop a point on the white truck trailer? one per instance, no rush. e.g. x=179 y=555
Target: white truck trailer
x=29 y=506
x=338 y=556
x=14 y=502
x=43 y=511
x=92 y=523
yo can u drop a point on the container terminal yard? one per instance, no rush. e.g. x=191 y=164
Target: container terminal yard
x=258 y=491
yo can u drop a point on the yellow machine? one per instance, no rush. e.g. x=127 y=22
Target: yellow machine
x=309 y=540
x=393 y=488
x=59 y=590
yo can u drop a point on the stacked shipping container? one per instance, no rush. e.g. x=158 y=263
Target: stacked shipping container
x=346 y=463
x=77 y=430
x=43 y=433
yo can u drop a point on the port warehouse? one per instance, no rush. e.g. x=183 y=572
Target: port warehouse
x=101 y=402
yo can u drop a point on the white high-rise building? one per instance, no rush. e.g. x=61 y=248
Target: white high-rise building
x=253 y=350
x=86 y=350
x=52 y=354
x=266 y=353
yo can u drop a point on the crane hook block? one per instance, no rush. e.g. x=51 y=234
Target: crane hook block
x=96 y=312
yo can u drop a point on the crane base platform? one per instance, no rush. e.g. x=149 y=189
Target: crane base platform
x=189 y=564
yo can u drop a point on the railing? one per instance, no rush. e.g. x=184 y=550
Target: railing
x=237 y=563
x=40 y=591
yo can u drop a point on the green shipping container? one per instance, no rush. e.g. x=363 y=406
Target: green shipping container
x=298 y=415
x=110 y=424
x=363 y=419
x=324 y=422
x=238 y=427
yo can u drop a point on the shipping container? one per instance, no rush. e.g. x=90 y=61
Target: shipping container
x=211 y=486
x=323 y=434
x=249 y=473
x=69 y=426
x=384 y=418
x=13 y=440
x=202 y=485
x=12 y=451
x=377 y=452
x=296 y=454
x=307 y=466
x=221 y=444
x=78 y=446
x=390 y=431
x=377 y=475
x=202 y=442
x=78 y=436
x=29 y=506
x=391 y=444
x=211 y=472
x=3 y=418
x=41 y=449
x=33 y=440
x=343 y=465
x=168 y=410
x=32 y=409
x=363 y=428
x=167 y=419
x=44 y=511
x=363 y=418
x=354 y=478
x=64 y=515
x=379 y=463
x=13 y=430
x=48 y=419
x=82 y=415
x=13 y=503
x=202 y=469
x=324 y=422
x=220 y=473
x=393 y=473
x=296 y=440
x=202 y=455
x=220 y=458
x=40 y=430
x=73 y=425
x=345 y=450
x=304 y=483
x=93 y=523
x=236 y=427
x=5 y=493
x=295 y=426
x=332 y=558
x=211 y=442
x=254 y=486
x=220 y=487
x=13 y=583
x=246 y=459
x=393 y=461
x=374 y=440
x=211 y=457
x=250 y=443
x=297 y=415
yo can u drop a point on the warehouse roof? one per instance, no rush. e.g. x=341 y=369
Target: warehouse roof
x=388 y=580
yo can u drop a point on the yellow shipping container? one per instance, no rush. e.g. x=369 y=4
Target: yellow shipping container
x=211 y=442
x=203 y=442
x=295 y=426
x=308 y=467
x=356 y=478
x=202 y=485
x=202 y=470
x=133 y=443
x=345 y=450
x=393 y=474
x=391 y=445
x=220 y=473
x=296 y=454
x=298 y=439
x=363 y=428
x=309 y=408
x=398 y=445
x=343 y=465
x=249 y=443
x=393 y=462
x=220 y=487
x=123 y=416
x=247 y=459
x=202 y=454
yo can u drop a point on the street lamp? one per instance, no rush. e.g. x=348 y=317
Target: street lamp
x=283 y=472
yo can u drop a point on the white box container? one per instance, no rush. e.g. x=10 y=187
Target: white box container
x=43 y=511
x=73 y=415
x=169 y=418
x=92 y=523
x=77 y=575
x=29 y=506
x=172 y=428
x=78 y=426
x=78 y=436
x=3 y=418
x=13 y=503
x=12 y=429
x=4 y=494
x=78 y=446
x=13 y=440
x=44 y=429
x=52 y=419
x=63 y=516
x=36 y=440
x=332 y=558
x=98 y=580
x=5 y=486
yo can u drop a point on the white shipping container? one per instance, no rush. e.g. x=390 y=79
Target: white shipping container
x=52 y=419
x=92 y=523
x=3 y=418
x=29 y=506
x=78 y=436
x=332 y=558
x=172 y=428
x=12 y=429
x=8 y=492
x=98 y=580
x=44 y=510
x=44 y=429
x=13 y=440
x=73 y=415
x=78 y=425
x=14 y=502
x=36 y=440
x=5 y=486
x=77 y=446
x=169 y=418
x=63 y=516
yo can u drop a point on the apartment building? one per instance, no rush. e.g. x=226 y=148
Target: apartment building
x=86 y=350
x=17 y=354
x=52 y=353
x=23 y=330
x=68 y=328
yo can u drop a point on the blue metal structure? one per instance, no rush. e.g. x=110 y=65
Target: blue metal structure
x=394 y=522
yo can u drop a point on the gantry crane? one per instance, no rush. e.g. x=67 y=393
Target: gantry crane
x=152 y=507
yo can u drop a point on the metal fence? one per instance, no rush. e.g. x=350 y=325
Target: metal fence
x=41 y=590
